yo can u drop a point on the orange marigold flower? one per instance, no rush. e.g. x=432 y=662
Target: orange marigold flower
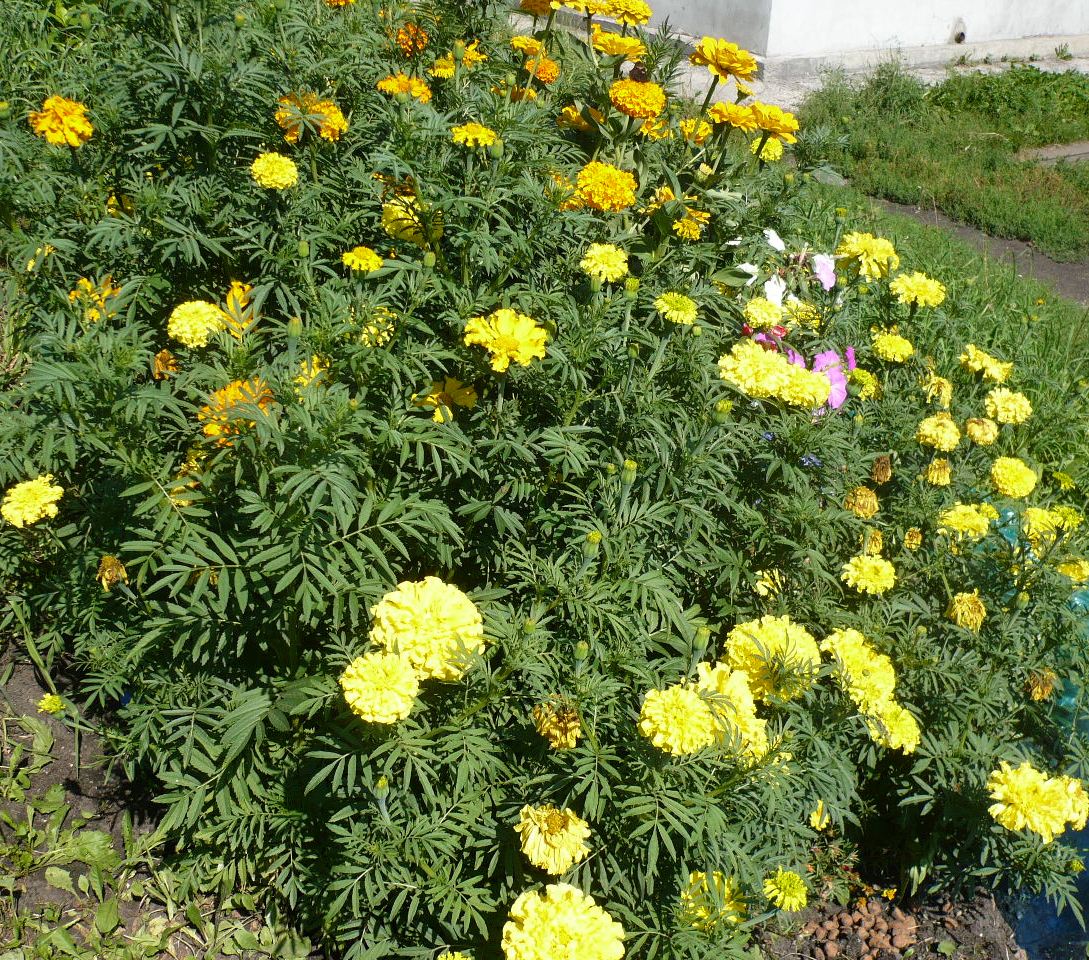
x=544 y=69
x=640 y=99
x=605 y=187
x=412 y=40
x=536 y=8
x=695 y=131
x=222 y=417
x=775 y=121
x=164 y=365
x=571 y=117
x=399 y=83
x=297 y=110
x=62 y=122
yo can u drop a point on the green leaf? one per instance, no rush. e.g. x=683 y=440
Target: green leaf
x=59 y=878
x=108 y=916
x=947 y=948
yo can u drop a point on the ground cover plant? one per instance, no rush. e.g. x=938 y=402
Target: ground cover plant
x=497 y=509
x=958 y=146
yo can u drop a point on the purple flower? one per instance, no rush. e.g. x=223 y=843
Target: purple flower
x=811 y=460
x=831 y=365
x=824 y=269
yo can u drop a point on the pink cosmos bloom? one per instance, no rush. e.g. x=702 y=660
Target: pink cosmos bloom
x=824 y=269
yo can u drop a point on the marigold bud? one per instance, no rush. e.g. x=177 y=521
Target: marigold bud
x=592 y=544
x=495 y=151
x=582 y=650
x=631 y=287
x=723 y=409
x=429 y=259
x=304 y=248
x=294 y=327
x=627 y=475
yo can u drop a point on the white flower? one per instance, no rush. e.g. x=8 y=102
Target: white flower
x=752 y=270
x=774 y=240
x=774 y=289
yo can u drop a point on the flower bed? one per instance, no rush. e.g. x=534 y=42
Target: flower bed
x=468 y=495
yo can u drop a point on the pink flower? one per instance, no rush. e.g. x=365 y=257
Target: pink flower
x=824 y=269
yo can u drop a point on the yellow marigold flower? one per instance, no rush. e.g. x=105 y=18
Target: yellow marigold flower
x=771 y=151
x=380 y=687
x=917 y=289
x=560 y=725
x=517 y=94
x=775 y=120
x=881 y=471
x=1008 y=406
x=868 y=677
x=339 y=3
x=938 y=390
x=298 y=109
x=1076 y=569
x=379 y=331
x=1041 y=685
x=530 y=46
x=1064 y=480
x=164 y=365
x=761 y=313
x=536 y=8
x=872 y=575
x=402 y=83
x=604 y=187
x=967 y=610
x=786 y=890
x=571 y=117
x=891 y=347
x=939 y=472
x=913 y=539
x=362 y=260
x=444 y=68
x=801 y=313
x=194 y=321
x=978 y=361
x=705 y=905
x=894 y=727
x=94 y=297
x=677 y=720
x=690 y=227
x=435 y=626
x=61 y=122
x=630 y=13
x=764 y=374
x=473 y=55
x=677 y=308
x=553 y=840
x=1026 y=799
x=408 y=218
x=473 y=135
x=862 y=502
x=507 y=335
x=967 y=520
x=695 y=130
x=660 y=197
x=51 y=704
x=940 y=432
x=729 y=695
x=412 y=39
x=865 y=381
x=111 y=572
x=274 y=171
x=614 y=45
x=236 y=314
x=455 y=955
x=544 y=68
x=639 y=99
x=723 y=59
x=561 y=922
x=1042 y=527
x=1013 y=477
x=604 y=262
x=222 y=417
x=656 y=128
x=780 y=657
x=444 y=396
x=819 y=819
x=981 y=431
x=874 y=256
x=872 y=542
x=31 y=500
x=733 y=115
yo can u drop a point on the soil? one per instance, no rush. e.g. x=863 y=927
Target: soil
x=874 y=929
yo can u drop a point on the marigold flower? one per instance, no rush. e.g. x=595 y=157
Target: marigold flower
x=775 y=120
x=604 y=262
x=978 y=361
x=939 y=472
x=561 y=922
x=1026 y=799
x=763 y=374
x=62 y=122
x=917 y=289
x=604 y=187
x=779 y=656
x=1064 y=480
x=862 y=502
x=677 y=720
x=222 y=417
x=881 y=471
x=571 y=117
x=435 y=626
x=864 y=381
x=615 y=45
x=362 y=260
x=729 y=695
x=111 y=572
x=893 y=727
x=297 y=109
x=874 y=256
x=1013 y=477
x=891 y=347
x=872 y=541
x=560 y=725
x=194 y=321
x=705 y=910
x=507 y=335
x=380 y=687
x=544 y=68
x=677 y=308
x=913 y=539
x=536 y=8
x=444 y=396
x=31 y=500
x=412 y=39
x=1008 y=406
x=786 y=890
x=530 y=46
x=723 y=59
x=408 y=218
x=339 y=3
x=656 y=128
x=94 y=297
x=868 y=677
x=473 y=135
x=695 y=130
x=274 y=171
x=801 y=313
x=399 y=83
x=819 y=818
x=939 y=431
x=1041 y=685
x=967 y=610
x=164 y=365
x=640 y=99
x=967 y=520
x=873 y=575
x=52 y=704
x=770 y=152
x=630 y=13
x=734 y=115
x=939 y=390
x=1075 y=569
x=981 y=431
x=553 y=839
x=762 y=314
x=691 y=225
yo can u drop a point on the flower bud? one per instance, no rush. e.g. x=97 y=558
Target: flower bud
x=703 y=635
x=582 y=650
x=633 y=351
x=240 y=19
x=723 y=409
x=788 y=177
x=529 y=626
x=495 y=151
x=631 y=287
x=294 y=327
x=429 y=259
x=1023 y=599
x=595 y=284
x=627 y=475
x=5 y=109
x=592 y=544
x=459 y=50
x=304 y=248
x=696 y=330
x=381 y=787
x=1077 y=865
x=610 y=468
x=841 y=213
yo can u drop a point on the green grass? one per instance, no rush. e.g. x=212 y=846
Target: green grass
x=955 y=146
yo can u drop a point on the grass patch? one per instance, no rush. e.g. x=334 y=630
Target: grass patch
x=955 y=146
